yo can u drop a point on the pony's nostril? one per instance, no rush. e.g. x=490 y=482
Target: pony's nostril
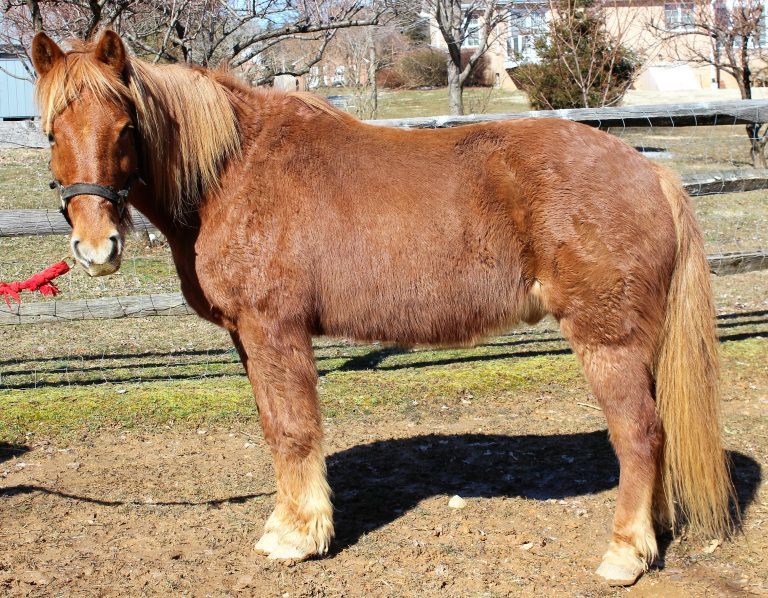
x=115 y=247
x=78 y=255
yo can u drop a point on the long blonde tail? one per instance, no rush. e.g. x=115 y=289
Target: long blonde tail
x=695 y=475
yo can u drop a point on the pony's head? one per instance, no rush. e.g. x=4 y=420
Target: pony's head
x=89 y=118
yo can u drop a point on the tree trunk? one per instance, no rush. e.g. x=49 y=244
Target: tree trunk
x=746 y=86
x=181 y=33
x=455 y=91
x=93 y=24
x=34 y=12
x=372 y=72
x=757 y=149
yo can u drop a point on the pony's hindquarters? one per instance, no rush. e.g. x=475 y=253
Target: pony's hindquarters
x=643 y=328
x=695 y=480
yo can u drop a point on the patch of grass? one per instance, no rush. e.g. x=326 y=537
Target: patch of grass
x=24 y=178
x=428 y=378
x=434 y=102
x=483 y=380
x=391 y=383
x=354 y=379
x=692 y=149
x=64 y=411
x=733 y=222
x=752 y=352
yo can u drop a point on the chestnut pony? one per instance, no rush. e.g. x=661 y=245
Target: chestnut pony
x=288 y=218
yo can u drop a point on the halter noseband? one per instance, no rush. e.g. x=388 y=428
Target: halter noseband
x=116 y=198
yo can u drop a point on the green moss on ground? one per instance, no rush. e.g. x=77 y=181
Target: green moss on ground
x=393 y=383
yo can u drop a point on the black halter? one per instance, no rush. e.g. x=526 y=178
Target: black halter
x=116 y=198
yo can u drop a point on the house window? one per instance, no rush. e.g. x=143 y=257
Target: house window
x=524 y=27
x=472 y=39
x=679 y=16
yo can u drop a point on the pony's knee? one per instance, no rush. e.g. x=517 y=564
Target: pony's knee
x=291 y=441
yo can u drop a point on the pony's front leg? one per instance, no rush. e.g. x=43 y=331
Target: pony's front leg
x=281 y=368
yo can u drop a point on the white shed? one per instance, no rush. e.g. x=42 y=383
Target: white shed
x=16 y=88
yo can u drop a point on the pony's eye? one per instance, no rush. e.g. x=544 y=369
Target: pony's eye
x=51 y=138
x=125 y=130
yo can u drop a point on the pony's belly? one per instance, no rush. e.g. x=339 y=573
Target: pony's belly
x=456 y=316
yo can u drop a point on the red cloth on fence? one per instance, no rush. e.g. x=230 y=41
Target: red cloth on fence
x=41 y=282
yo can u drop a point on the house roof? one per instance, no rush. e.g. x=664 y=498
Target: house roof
x=11 y=50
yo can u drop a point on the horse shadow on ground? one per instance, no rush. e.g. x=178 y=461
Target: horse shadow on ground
x=546 y=342
x=9 y=451
x=374 y=484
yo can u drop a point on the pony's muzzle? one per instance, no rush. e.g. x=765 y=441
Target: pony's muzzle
x=99 y=258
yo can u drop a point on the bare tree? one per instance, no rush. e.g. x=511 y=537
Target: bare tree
x=728 y=35
x=354 y=50
x=21 y=19
x=207 y=32
x=293 y=55
x=473 y=25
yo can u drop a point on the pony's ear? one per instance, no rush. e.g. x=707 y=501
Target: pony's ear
x=45 y=53
x=111 y=51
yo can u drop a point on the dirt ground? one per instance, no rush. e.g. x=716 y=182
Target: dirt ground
x=176 y=512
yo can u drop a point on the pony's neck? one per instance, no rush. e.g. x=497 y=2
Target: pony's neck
x=148 y=200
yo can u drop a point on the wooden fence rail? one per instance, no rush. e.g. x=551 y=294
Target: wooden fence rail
x=32 y=222
x=658 y=115
x=173 y=304
x=107 y=308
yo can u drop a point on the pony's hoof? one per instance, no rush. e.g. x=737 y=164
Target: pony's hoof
x=267 y=543
x=287 y=552
x=620 y=574
x=294 y=538
x=291 y=547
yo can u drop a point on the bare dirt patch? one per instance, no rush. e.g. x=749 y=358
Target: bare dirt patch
x=178 y=511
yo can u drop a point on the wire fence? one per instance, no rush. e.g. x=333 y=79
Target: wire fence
x=100 y=330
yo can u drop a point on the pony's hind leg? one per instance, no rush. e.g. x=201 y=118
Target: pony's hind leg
x=280 y=366
x=620 y=378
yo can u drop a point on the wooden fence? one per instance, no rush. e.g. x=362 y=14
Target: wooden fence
x=50 y=222
x=658 y=115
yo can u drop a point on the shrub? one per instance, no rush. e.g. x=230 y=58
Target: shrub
x=428 y=67
x=580 y=65
x=424 y=67
x=389 y=78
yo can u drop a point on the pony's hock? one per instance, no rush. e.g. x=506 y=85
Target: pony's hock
x=340 y=228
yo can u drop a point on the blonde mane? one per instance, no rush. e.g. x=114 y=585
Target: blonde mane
x=186 y=123
x=318 y=104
